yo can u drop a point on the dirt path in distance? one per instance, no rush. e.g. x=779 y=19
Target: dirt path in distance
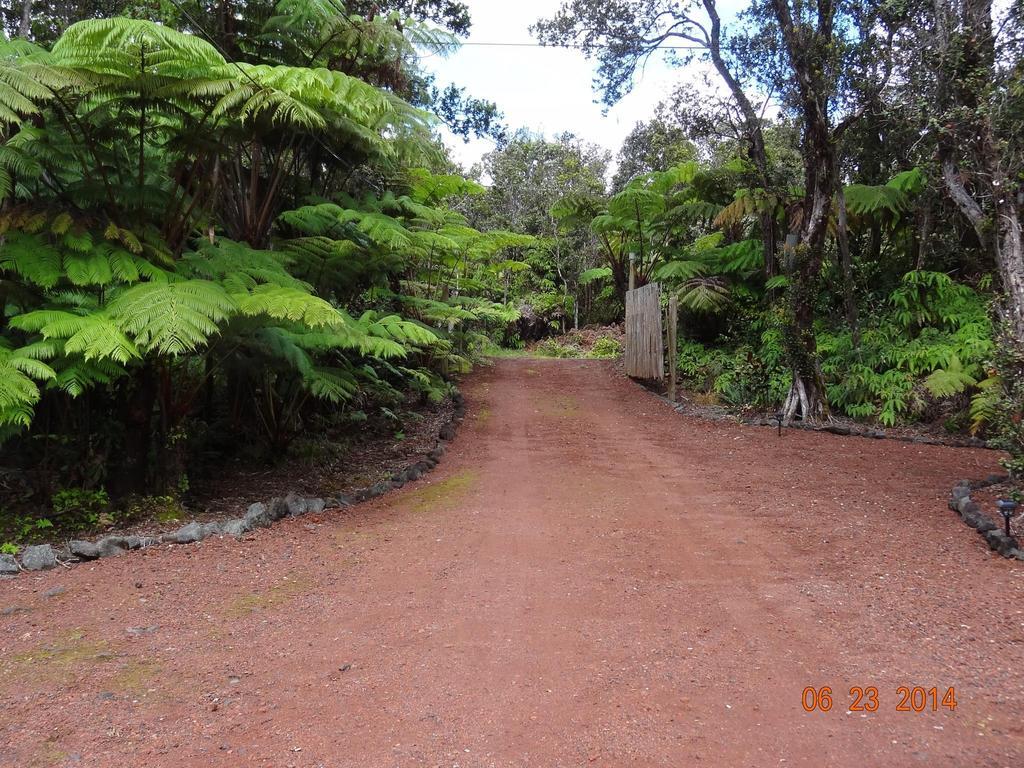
x=588 y=579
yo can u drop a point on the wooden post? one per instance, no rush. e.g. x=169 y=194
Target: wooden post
x=673 y=347
x=632 y=271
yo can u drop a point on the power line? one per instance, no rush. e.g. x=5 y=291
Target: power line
x=571 y=46
x=447 y=50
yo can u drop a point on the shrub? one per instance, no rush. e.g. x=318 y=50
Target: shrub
x=606 y=348
x=999 y=406
x=918 y=356
x=79 y=507
x=553 y=348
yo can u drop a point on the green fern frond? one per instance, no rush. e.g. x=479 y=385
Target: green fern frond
x=985 y=404
x=335 y=385
x=31 y=258
x=680 y=270
x=593 y=275
x=285 y=303
x=949 y=381
x=19 y=391
x=394 y=327
x=172 y=318
x=704 y=295
x=79 y=376
x=867 y=200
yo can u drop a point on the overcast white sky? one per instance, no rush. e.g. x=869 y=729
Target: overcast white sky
x=549 y=90
x=545 y=89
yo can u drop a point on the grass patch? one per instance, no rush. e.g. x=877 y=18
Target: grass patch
x=451 y=489
x=502 y=353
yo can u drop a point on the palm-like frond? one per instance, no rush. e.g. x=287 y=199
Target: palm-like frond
x=20 y=374
x=31 y=258
x=172 y=318
x=291 y=304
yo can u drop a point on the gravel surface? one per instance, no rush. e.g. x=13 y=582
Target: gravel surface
x=589 y=578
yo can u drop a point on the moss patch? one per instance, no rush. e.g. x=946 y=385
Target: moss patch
x=60 y=660
x=430 y=497
x=49 y=753
x=560 y=406
x=282 y=592
x=135 y=677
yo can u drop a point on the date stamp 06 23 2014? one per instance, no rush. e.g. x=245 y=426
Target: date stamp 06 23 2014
x=867 y=699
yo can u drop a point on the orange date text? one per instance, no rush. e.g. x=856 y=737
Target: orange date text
x=867 y=699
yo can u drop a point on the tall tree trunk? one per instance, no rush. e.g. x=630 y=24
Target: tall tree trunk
x=974 y=172
x=846 y=262
x=922 y=237
x=25 y=25
x=131 y=471
x=1010 y=257
x=753 y=135
x=807 y=49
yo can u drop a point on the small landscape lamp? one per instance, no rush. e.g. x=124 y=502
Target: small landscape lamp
x=778 y=418
x=1006 y=508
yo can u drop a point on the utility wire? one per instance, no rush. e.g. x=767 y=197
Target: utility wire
x=571 y=46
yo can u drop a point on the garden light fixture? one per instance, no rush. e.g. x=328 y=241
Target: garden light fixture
x=1006 y=508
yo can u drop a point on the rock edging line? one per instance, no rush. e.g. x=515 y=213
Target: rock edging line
x=43 y=557
x=970 y=512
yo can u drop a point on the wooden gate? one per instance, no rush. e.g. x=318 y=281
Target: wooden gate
x=645 y=347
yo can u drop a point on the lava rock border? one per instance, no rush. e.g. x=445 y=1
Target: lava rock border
x=970 y=512
x=260 y=514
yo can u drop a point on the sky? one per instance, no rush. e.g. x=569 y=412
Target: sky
x=548 y=90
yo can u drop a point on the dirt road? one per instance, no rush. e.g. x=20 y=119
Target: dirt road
x=588 y=579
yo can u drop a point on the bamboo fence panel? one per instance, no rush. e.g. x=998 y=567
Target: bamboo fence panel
x=645 y=346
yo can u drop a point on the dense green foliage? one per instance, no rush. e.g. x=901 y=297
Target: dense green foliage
x=203 y=252
x=845 y=236
x=526 y=179
x=223 y=226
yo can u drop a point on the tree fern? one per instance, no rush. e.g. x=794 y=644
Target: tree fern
x=93 y=335
x=680 y=269
x=335 y=385
x=27 y=79
x=238 y=267
x=951 y=380
x=31 y=258
x=291 y=304
x=114 y=48
x=394 y=327
x=704 y=295
x=172 y=318
x=19 y=389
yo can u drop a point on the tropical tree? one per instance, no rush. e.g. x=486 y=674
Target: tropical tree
x=188 y=237
x=526 y=179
